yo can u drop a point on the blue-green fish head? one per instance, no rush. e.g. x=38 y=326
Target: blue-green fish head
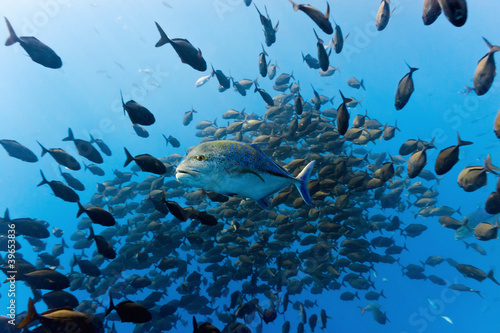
x=236 y=168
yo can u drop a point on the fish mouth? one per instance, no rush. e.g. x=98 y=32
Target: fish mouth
x=184 y=174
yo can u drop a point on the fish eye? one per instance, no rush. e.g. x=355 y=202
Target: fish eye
x=201 y=158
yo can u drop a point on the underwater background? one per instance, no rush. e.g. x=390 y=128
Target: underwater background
x=108 y=46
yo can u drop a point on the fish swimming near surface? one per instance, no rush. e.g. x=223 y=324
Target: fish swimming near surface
x=38 y=51
x=185 y=50
x=229 y=167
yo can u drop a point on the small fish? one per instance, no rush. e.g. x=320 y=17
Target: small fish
x=227 y=167
x=146 y=163
x=319 y=18
x=38 y=51
x=405 y=89
x=447 y=319
x=185 y=50
x=17 y=150
x=84 y=148
x=102 y=146
x=140 y=131
x=324 y=62
x=263 y=62
x=61 y=157
x=202 y=80
x=173 y=141
x=188 y=117
x=60 y=190
x=354 y=83
x=137 y=113
x=383 y=15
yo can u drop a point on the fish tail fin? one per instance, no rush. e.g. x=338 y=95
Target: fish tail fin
x=92 y=139
x=478 y=292
x=362 y=310
x=303 y=182
x=13 y=37
x=468 y=89
x=356 y=295
x=466 y=245
x=163 y=37
x=166 y=139
x=92 y=234
x=70 y=136
x=64 y=244
x=493 y=48
x=130 y=158
x=123 y=102
x=85 y=165
x=81 y=210
x=412 y=69
x=44 y=180
x=195 y=325
x=362 y=85
x=382 y=293
x=6 y=216
x=295 y=6
x=111 y=305
x=44 y=150
x=32 y=314
x=489 y=166
x=461 y=142
x=491 y=277
x=319 y=39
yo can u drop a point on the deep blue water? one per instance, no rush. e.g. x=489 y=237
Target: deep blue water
x=106 y=46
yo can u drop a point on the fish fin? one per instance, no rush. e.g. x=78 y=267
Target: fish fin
x=276 y=26
x=412 y=69
x=92 y=139
x=44 y=180
x=327 y=14
x=319 y=39
x=70 y=136
x=489 y=166
x=163 y=37
x=130 y=158
x=468 y=90
x=44 y=150
x=166 y=139
x=195 y=325
x=492 y=278
x=345 y=99
x=123 y=102
x=461 y=142
x=262 y=202
x=303 y=182
x=32 y=314
x=362 y=85
x=247 y=170
x=111 y=305
x=81 y=210
x=295 y=6
x=64 y=244
x=13 y=37
x=6 y=216
x=493 y=48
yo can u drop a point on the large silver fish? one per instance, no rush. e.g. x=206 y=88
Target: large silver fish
x=236 y=168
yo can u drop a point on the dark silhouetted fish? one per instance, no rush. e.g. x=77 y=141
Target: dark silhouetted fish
x=185 y=50
x=405 y=89
x=319 y=18
x=138 y=114
x=431 y=11
x=17 y=150
x=60 y=190
x=455 y=11
x=146 y=163
x=62 y=157
x=85 y=148
x=38 y=51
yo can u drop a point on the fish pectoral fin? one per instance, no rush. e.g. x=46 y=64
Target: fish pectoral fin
x=247 y=170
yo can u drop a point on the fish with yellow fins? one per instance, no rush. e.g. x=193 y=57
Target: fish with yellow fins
x=236 y=168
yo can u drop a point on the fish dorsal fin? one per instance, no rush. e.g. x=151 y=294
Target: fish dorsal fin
x=327 y=14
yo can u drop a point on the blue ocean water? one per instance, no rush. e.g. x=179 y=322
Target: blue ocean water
x=106 y=46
